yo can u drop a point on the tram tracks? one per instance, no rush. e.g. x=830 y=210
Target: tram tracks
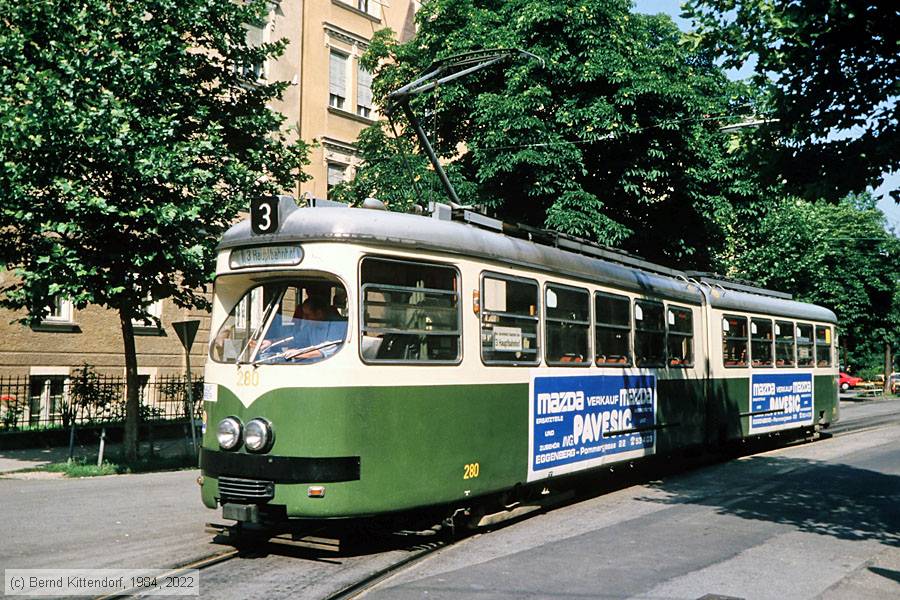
x=328 y=550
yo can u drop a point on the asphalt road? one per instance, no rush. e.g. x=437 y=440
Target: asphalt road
x=814 y=520
x=152 y=520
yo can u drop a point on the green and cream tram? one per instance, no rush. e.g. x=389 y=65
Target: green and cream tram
x=364 y=362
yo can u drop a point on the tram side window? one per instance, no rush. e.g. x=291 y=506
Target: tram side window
x=649 y=334
x=509 y=320
x=784 y=344
x=680 y=337
x=410 y=312
x=734 y=341
x=761 y=343
x=805 y=356
x=567 y=325
x=823 y=346
x=613 y=330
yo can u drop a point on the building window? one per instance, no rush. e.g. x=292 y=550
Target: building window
x=46 y=399
x=363 y=93
x=784 y=344
x=337 y=80
x=337 y=173
x=761 y=342
x=370 y=7
x=257 y=35
x=509 y=320
x=567 y=325
x=734 y=341
x=612 y=335
x=680 y=337
x=155 y=310
x=60 y=310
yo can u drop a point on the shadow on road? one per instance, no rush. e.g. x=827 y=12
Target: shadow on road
x=837 y=500
x=886 y=573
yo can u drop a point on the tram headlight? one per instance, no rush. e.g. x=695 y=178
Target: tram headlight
x=258 y=435
x=229 y=433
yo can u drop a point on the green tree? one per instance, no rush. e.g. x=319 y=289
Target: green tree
x=836 y=255
x=832 y=69
x=131 y=134
x=615 y=137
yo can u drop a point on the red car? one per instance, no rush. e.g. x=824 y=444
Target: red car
x=847 y=381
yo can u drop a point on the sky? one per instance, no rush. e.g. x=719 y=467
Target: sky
x=672 y=8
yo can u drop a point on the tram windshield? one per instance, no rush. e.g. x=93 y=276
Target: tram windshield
x=297 y=321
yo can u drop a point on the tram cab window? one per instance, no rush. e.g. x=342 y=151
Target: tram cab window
x=297 y=321
x=567 y=325
x=410 y=312
x=805 y=357
x=680 y=343
x=649 y=334
x=823 y=346
x=613 y=330
x=734 y=341
x=761 y=343
x=784 y=344
x=509 y=320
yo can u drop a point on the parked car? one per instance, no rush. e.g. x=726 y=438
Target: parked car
x=848 y=381
x=895 y=383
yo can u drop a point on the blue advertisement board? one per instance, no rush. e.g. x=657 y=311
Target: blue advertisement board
x=582 y=421
x=780 y=401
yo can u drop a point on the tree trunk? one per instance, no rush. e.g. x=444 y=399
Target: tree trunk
x=888 y=368
x=132 y=400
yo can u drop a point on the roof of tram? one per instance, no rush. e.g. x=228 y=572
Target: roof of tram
x=401 y=231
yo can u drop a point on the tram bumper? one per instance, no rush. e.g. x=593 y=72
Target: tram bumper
x=257 y=487
x=280 y=469
x=245 y=513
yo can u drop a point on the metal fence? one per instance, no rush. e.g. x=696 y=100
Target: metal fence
x=55 y=401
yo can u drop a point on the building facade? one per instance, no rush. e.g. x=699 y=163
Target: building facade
x=328 y=102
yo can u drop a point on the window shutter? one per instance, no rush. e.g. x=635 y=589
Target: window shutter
x=338 y=75
x=335 y=174
x=364 y=88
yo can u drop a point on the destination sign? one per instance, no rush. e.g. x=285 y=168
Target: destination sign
x=265 y=256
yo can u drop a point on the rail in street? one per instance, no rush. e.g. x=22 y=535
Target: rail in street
x=171 y=527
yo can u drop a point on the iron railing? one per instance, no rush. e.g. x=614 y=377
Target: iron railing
x=55 y=401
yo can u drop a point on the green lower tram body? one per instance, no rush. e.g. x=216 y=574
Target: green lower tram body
x=379 y=450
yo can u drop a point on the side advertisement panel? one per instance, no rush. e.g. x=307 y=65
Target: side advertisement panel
x=584 y=421
x=780 y=401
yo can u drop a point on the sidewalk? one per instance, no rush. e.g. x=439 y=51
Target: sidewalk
x=15 y=460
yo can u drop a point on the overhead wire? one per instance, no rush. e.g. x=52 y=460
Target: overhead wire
x=613 y=134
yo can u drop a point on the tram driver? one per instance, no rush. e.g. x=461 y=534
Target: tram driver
x=315 y=331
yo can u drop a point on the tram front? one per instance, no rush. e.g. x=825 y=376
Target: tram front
x=275 y=381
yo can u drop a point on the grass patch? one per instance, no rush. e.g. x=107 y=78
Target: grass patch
x=83 y=467
x=80 y=467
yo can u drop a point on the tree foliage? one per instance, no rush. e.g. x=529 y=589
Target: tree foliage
x=615 y=137
x=832 y=68
x=836 y=255
x=131 y=134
